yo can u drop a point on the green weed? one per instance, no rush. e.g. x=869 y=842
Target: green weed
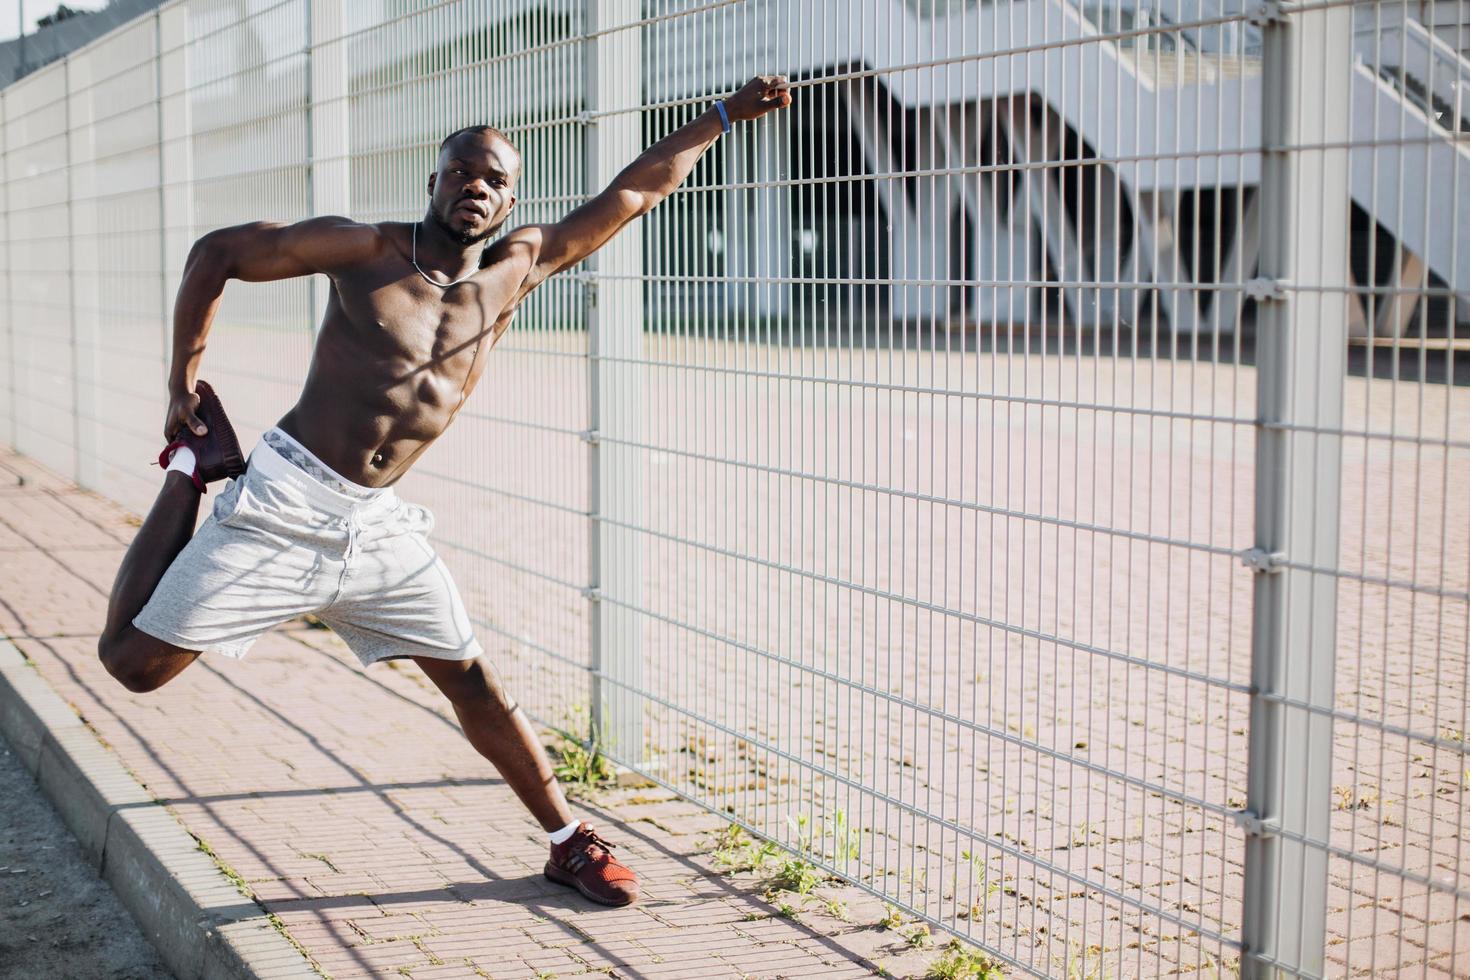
x=579 y=763
x=1085 y=963
x=918 y=936
x=797 y=875
x=736 y=851
x=846 y=840
x=837 y=909
x=962 y=962
x=801 y=828
x=983 y=882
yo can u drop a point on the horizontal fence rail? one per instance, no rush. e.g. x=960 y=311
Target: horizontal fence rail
x=1025 y=479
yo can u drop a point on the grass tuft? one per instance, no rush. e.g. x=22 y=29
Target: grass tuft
x=736 y=851
x=962 y=962
x=837 y=909
x=1085 y=963
x=918 y=936
x=578 y=761
x=796 y=875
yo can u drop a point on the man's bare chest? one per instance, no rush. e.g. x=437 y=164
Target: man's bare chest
x=419 y=322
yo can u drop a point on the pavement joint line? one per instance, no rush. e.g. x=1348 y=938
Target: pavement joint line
x=203 y=927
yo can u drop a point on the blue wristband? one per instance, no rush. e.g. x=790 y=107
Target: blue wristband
x=724 y=116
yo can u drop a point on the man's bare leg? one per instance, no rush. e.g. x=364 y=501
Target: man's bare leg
x=499 y=730
x=142 y=662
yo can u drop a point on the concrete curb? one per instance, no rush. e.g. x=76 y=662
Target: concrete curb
x=200 y=923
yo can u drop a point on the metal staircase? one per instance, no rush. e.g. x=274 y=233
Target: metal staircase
x=1098 y=163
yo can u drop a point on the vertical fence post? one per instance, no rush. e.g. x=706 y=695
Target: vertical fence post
x=10 y=437
x=160 y=120
x=612 y=76
x=1301 y=338
x=175 y=155
x=71 y=277
x=329 y=179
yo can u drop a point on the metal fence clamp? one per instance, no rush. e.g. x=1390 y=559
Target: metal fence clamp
x=1261 y=561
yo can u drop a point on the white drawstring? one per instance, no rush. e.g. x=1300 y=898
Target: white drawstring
x=353 y=527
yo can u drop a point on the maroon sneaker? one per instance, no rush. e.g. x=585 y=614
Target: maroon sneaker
x=584 y=862
x=217 y=453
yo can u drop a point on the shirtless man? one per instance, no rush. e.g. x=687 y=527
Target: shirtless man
x=313 y=525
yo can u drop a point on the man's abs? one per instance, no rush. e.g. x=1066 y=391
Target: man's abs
x=368 y=412
x=366 y=449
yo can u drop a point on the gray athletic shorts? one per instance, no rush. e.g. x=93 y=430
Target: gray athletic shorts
x=282 y=542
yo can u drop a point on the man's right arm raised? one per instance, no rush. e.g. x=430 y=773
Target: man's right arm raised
x=259 y=252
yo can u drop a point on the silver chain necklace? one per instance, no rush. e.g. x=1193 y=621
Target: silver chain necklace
x=431 y=282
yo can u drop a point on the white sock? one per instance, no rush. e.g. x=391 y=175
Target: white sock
x=565 y=834
x=182 y=460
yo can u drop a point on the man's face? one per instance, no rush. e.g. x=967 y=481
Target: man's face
x=471 y=195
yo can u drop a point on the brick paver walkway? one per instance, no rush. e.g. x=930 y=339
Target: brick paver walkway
x=356 y=812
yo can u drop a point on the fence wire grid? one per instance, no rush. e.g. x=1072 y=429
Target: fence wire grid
x=1021 y=478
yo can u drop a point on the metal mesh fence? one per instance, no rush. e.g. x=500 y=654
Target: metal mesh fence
x=1025 y=479
x=118 y=294
x=1397 y=884
x=43 y=408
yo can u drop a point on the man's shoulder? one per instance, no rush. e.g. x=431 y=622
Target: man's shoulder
x=355 y=241
x=340 y=226
x=367 y=231
x=521 y=243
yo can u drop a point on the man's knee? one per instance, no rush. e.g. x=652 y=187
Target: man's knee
x=122 y=661
x=473 y=683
